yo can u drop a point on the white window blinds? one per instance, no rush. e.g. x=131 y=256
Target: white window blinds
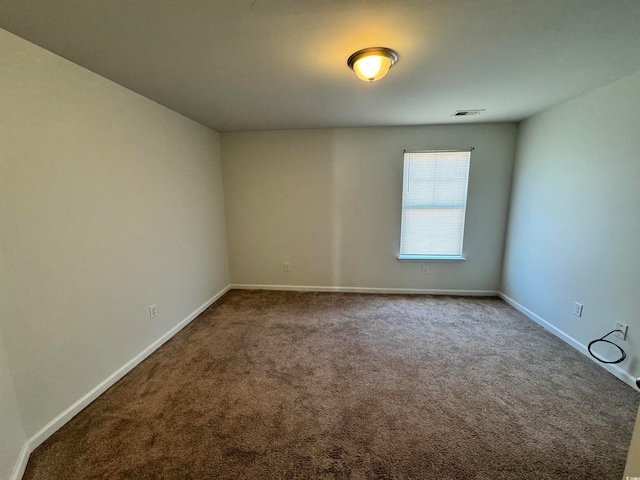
x=434 y=200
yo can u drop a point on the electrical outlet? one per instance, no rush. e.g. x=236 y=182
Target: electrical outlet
x=152 y=311
x=287 y=267
x=577 y=309
x=622 y=334
x=425 y=269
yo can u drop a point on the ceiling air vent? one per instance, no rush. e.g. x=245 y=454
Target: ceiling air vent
x=467 y=113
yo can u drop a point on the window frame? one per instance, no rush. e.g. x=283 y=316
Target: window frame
x=435 y=257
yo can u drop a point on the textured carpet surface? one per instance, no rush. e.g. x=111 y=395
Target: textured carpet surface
x=289 y=385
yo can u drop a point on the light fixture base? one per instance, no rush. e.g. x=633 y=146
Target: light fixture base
x=382 y=51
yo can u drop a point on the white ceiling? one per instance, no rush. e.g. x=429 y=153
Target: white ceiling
x=275 y=64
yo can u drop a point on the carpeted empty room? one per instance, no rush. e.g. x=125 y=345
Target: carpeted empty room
x=269 y=384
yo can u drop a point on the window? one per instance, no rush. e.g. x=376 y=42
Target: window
x=434 y=200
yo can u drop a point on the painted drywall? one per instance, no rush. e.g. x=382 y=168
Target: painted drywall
x=329 y=203
x=12 y=437
x=109 y=203
x=574 y=225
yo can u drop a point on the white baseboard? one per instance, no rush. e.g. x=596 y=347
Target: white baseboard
x=51 y=427
x=21 y=464
x=620 y=373
x=80 y=404
x=416 y=291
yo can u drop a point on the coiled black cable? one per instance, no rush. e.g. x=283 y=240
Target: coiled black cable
x=602 y=339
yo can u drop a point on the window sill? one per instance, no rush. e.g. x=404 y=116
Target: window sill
x=431 y=258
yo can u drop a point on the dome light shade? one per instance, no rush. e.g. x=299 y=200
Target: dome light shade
x=373 y=63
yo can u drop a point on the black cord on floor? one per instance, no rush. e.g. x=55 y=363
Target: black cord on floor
x=602 y=339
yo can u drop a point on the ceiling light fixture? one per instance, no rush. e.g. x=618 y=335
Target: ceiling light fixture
x=373 y=63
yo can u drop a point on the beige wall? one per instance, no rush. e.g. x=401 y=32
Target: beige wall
x=12 y=435
x=329 y=202
x=108 y=203
x=574 y=225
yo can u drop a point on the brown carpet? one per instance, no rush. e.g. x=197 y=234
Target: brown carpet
x=291 y=385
